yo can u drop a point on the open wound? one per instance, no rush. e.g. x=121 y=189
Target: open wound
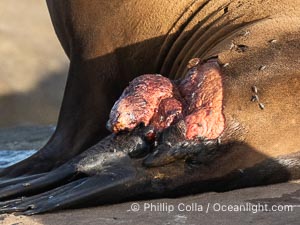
x=158 y=102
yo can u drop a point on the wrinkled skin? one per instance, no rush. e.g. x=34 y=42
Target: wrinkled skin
x=111 y=42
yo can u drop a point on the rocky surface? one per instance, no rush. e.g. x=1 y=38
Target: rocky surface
x=198 y=209
x=24 y=137
x=283 y=194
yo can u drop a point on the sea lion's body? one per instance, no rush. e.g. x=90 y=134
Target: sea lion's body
x=111 y=42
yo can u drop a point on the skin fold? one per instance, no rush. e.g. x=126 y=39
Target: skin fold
x=254 y=44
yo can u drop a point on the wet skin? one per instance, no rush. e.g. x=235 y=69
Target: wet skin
x=256 y=147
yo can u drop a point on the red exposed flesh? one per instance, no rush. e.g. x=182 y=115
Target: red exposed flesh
x=169 y=112
x=154 y=100
x=139 y=102
x=203 y=92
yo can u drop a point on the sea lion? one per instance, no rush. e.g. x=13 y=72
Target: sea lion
x=256 y=45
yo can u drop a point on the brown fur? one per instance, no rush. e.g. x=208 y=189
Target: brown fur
x=97 y=29
x=111 y=42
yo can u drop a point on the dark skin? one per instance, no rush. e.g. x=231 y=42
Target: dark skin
x=110 y=43
x=112 y=171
